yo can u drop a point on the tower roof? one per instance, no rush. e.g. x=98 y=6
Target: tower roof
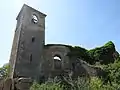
x=24 y=6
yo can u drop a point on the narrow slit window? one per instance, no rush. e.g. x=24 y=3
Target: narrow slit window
x=30 y=58
x=73 y=66
x=33 y=39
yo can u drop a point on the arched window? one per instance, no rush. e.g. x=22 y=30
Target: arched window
x=57 y=62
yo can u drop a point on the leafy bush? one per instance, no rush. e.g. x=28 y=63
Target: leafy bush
x=4 y=70
x=114 y=70
x=50 y=86
x=95 y=84
x=105 y=54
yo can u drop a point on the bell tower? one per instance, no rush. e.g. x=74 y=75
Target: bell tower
x=28 y=43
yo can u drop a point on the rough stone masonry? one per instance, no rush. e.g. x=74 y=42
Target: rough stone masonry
x=31 y=59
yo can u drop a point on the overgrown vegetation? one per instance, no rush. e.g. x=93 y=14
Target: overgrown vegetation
x=105 y=54
x=4 y=71
x=95 y=84
x=109 y=60
x=114 y=69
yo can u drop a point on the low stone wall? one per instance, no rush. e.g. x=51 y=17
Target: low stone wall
x=6 y=84
x=16 y=84
x=1 y=84
x=23 y=83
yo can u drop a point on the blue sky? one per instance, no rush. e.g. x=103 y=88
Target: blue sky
x=87 y=23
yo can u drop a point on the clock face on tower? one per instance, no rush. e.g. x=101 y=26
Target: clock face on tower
x=34 y=19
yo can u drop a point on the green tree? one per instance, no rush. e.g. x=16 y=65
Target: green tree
x=4 y=71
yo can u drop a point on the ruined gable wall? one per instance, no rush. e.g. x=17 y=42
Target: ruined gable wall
x=48 y=59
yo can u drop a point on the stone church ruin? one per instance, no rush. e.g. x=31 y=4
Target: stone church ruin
x=32 y=60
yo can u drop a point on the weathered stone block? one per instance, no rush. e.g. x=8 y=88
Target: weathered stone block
x=7 y=84
x=23 y=83
x=1 y=84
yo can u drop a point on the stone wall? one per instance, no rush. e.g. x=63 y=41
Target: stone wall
x=16 y=84
x=6 y=84
x=50 y=63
